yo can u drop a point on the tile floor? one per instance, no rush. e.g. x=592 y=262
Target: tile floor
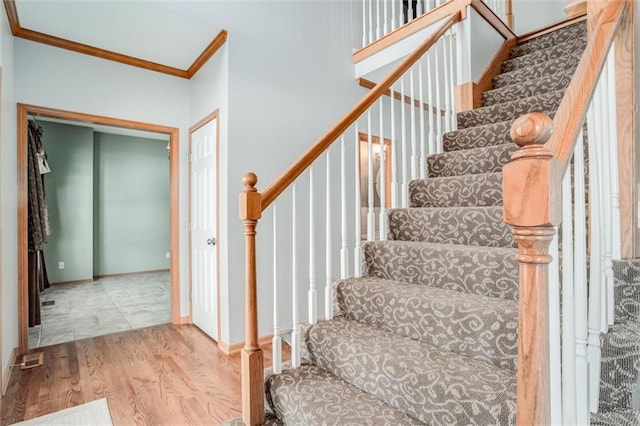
x=107 y=305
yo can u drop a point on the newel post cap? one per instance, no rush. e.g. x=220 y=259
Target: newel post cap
x=531 y=130
x=250 y=200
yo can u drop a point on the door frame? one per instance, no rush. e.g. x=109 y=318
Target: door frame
x=215 y=115
x=24 y=111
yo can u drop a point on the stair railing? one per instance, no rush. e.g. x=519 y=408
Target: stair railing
x=566 y=173
x=382 y=17
x=351 y=176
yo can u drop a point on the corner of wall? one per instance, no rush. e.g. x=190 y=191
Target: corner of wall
x=8 y=200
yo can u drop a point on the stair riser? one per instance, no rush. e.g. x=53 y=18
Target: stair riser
x=529 y=88
x=549 y=40
x=620 y=367
x=429 y=385
x=463 y=191
x=492 y=273
x=626 y=290
x=477 y=137
x=312 y=396
x=480 y=226
x=510 y=110
x=471 y=162
x=554 y=66
x=482 y=328
x=535 y=58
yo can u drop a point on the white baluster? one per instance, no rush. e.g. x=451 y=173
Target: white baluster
x=447 y=83
x=378 y=27
x=357 y=251
x=569 y=393
x=453 y=72
x=371 y=39
x=295 y=334
x=409 y=11
x=405 y=154
x=607 y=199
x=419 y=9
x=400 y=14
x=432 y=110
x=313 y=294
x=555 y=394
x=412 y=109
x=382 y=184
x=580 y=287
x=438 y=104
x=344 y=249
x=386 y=17
x=393 y=15
x=328 y=290
x=394 y=177
x=364 y=23
x=422 y=159
x=613 y=138
x=600 y=182
x=595 y=282
x=276 y=342
x=371 y=216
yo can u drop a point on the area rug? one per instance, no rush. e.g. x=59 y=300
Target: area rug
x=94 y=413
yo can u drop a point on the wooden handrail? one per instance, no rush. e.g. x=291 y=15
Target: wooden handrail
x=573 y=108
x=283 y=182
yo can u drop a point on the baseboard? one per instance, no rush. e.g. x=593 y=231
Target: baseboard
x=7 y=372
x=237 y=347
x=86 y=281
x=95 y=277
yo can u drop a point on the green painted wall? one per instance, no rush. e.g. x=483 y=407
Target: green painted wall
x=131 y=204
x=69 y=190
x=108 y=198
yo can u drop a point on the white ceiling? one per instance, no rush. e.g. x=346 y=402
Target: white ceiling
x=136 y=28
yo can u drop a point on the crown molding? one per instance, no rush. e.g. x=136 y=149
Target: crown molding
x=18 y=31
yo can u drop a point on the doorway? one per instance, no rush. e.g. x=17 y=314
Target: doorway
x=29 y=110
x=203 y=224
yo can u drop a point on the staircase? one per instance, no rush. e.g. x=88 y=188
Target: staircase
x=429 y=333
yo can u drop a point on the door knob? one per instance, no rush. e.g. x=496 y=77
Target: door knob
x=211 y=241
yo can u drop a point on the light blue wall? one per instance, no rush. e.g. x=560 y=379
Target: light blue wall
x=69 y=191
x=108 y=198
x=131 y=204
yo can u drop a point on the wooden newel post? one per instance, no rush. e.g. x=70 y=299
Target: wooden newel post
x=252 y=363
x=532 y=207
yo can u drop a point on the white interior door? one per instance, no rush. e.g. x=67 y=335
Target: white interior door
x=204 y=262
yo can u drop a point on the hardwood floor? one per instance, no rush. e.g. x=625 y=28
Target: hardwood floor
x=166 y=374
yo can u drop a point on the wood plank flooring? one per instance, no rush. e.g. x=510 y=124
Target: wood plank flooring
x=161 y=375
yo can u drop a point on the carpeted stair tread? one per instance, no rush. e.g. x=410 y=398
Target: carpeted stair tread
x=510 y=110
x=548 y=83
x=477 y=137
x=310 y=395
x=476 y=226
x=485 y=271
x=431 y=385
x=565 y=63
x=546 y=41
x=616 y=418
x=539 y=56
x=457 y=191
x=620 y=366
x=484 y=328
x=483 y=160
x=626 y=280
